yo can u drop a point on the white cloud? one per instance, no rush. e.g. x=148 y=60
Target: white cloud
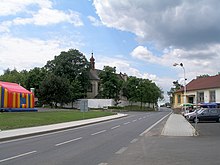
x=47 y=16
x=28 y=53
x=143 y=53
x=12 y=7
x=196 y=62
x=181 y=23
x=43 y=16
x=124 y=66
x=94 y=21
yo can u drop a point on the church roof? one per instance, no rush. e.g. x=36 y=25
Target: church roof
x=94 y=74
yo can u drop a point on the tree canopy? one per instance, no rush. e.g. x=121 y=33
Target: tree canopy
x=72 y=65
x=55 y=89
x=142 y=90
x=110 y=83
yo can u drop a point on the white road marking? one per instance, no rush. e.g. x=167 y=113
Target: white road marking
x=126 y=123
x=140 y=118
x=134 y=120
x=134 y=140
x=68 y=141
x=98 y=132
x=103 y=164
x=123 y=149
x=144 y=117
x=148 y=129
x=17 y=156
x=115 y=127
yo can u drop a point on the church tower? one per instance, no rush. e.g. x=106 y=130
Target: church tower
x=92 y=62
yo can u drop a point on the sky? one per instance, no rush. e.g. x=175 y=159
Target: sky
x=141 y=38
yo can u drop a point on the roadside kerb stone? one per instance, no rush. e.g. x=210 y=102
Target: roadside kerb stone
x=177 y=125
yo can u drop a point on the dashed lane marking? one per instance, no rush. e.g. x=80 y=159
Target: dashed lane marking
x=17 y=156
x=103 y=164
x=69 y=141
x=126 y=123
x=134 y=140
x=123 y=149
x=98 y=132
x=115 y=127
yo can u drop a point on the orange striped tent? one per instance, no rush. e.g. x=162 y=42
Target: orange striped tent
x=14 y=97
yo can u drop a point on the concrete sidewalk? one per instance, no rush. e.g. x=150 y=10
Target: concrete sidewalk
x=23 y=132
x=177 y=125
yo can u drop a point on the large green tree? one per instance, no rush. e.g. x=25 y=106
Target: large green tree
x=34 y=78
x=55 y=89
x=72 y=65
x=76 y=92
x=130 y=88
x=142 y=90
x=110 y=83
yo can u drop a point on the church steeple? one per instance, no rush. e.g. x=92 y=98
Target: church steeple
x=92 y=62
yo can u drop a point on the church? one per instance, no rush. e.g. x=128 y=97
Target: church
x=93 y=89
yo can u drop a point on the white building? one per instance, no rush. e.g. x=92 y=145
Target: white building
x=200 y=90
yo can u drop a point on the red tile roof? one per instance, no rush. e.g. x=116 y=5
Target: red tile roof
x=203 y=83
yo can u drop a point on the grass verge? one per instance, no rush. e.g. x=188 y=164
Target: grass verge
x=12 y=120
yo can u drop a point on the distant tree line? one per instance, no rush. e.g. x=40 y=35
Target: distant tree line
x=66 y=79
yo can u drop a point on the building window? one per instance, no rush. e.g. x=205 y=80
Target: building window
x=89 y=89
x=200 y=97
x=211 y=96
x=179 y=98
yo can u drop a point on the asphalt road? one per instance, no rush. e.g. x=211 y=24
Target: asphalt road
x=154 y=149
x=88 y=145
x=208 y=129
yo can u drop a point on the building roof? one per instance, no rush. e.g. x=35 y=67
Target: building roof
x=203 y=83
x=13 y=87
x=94 y=74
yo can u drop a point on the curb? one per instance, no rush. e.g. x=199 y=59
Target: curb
x=58 y=129
x=172 y=128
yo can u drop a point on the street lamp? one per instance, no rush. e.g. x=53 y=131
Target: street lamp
x=184 y=74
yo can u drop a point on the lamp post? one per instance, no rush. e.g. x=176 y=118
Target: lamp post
x=184 y=74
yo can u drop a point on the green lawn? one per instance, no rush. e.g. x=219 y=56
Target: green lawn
x=12 y=120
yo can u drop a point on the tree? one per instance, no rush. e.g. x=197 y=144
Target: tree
x=110 y=83
x=72 y=65
x=130 y=88
x=55 y=89
x=14 y=76
x=142 y=90
x=204 y=75
x=34 y=78
x=176 y=87
x=76 y=92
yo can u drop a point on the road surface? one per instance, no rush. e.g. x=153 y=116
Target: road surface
x=88 y=145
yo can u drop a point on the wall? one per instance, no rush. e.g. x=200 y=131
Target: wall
x=218 y=95
x=94 y=92
x=100 y=103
